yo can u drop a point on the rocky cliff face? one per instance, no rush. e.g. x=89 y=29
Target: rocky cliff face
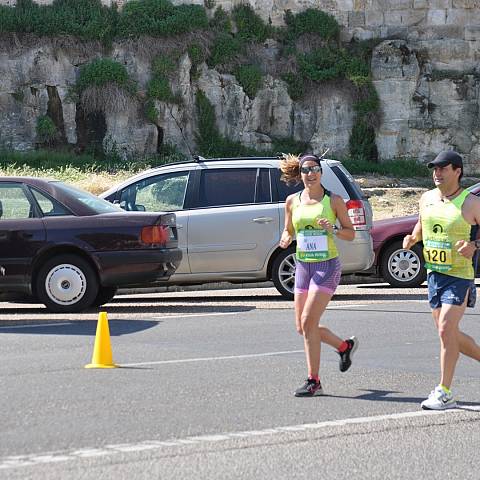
x=425 y=70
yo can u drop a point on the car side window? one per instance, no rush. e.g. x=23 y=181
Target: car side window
x=49 y=206
x=164 y=193
x=14 y=203
x=227 y=186
x=283 y=189
x=263 y=194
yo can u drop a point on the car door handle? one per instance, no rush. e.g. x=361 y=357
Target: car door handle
x=263 y=220
x=179 y=225
x=25 y=235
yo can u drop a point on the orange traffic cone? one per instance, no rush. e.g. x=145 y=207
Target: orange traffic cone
x=102 y=351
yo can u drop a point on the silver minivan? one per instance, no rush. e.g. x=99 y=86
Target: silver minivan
x=230 y=215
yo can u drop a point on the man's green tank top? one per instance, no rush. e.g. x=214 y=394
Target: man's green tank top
x=314 y=244
x=442 y=226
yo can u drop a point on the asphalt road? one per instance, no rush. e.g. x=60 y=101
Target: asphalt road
x=205 y=391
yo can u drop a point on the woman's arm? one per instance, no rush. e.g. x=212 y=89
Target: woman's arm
x=346 y=230
x=288 y=231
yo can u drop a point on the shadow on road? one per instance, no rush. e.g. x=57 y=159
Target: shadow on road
x=83 y=327
x=383 y=396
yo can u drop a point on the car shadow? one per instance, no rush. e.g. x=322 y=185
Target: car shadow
x=82 y=327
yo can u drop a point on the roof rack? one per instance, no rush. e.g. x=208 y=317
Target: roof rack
x=198 y=158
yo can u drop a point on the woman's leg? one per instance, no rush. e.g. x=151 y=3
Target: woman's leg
x=314 y=305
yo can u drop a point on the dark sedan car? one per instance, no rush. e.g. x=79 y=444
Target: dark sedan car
x=397 y=266
x=72 y=250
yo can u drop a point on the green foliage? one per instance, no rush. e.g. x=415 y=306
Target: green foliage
x=250 y=26
x=160 y=18
x=103 y=71
x=250 y=78
x=151 y=111
x=323 y=64
x=159 y=88
x=224 y=49
x=26 y=163
x=221 y=21
x=312 y=21
x=288 y=145
x=87 y=19
x=402 y=168
x=370 y=103
x=197 y=53
x=362 y=141
x=295 y=85
x=46 y=130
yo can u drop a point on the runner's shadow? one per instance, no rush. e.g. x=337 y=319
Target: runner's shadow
x=382 y=396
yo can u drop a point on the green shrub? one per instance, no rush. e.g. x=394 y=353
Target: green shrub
x=160 y=18
x=250 y=78
x=87 y=19
x=46 y=130
x=221 y=21
x=322 y=64
x=224 y=49
x=402 y=168
x=370 y=103
x=295 y=85
x=159 y=88
x=250 y=26
x=101 y=72
x=151 y=111
x=312 y=21
x=362 y=141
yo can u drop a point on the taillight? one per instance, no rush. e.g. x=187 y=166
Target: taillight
x=157 y=234
x=356 y=212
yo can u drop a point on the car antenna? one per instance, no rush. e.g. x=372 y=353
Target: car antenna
x=325 y=152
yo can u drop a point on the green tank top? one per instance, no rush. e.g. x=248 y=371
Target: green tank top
x=442 y=226
x=314 y=244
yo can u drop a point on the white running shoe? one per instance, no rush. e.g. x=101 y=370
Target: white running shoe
x=439 y=400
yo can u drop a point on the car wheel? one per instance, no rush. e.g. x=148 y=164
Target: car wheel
x=66 y=283
x=104 y=295
x=403 y=268
x=283 y=272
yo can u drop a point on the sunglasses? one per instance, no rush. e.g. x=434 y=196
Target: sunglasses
x=312 y=169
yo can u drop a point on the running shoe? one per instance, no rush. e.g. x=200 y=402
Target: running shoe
x=346 y=356
x=310 y=388
x=439 y=399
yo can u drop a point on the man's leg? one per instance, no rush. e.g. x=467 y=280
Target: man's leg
x=467 y=344
x=448 y=321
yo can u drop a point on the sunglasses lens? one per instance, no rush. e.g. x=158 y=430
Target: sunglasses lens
x=314 y=169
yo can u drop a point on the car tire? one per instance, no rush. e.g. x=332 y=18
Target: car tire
x=104 y=295
x=403 y=268
x=66 y=283
x=283 y=272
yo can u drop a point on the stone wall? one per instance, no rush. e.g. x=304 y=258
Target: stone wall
x=426 y=72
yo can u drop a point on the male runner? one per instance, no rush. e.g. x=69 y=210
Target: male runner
x=448 y=226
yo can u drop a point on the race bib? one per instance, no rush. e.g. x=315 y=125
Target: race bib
x=312 y=245
x=438 y=255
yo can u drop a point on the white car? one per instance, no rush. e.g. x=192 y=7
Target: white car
x=230 y=215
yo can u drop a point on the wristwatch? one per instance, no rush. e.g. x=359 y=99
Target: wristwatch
x=477 y=244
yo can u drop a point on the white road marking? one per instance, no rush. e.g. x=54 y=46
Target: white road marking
x=18 y=461
x=210 y=359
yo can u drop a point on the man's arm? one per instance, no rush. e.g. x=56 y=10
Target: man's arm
x=416 y=236
x=472 y=215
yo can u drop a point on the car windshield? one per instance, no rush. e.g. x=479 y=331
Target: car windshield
x=97 y=204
